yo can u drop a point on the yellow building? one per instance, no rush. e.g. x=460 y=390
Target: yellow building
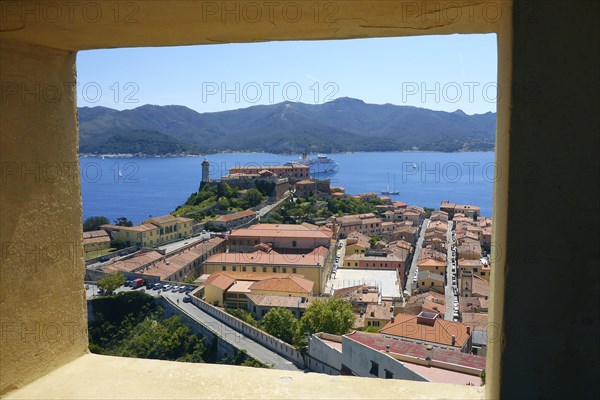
x=309 y=265
x=95 y=243
x=429 y=281
x=357 y=243
x=153 y=232
x=378 y=315
x=230 y=289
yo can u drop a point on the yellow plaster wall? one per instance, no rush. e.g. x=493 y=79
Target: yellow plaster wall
x=42 y=306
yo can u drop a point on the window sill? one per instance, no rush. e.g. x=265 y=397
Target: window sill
x=100 y=377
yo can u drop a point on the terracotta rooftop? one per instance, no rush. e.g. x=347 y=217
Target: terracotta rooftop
x=279 y=230
x=477 y=321
x=313 y=258
x=269 y=300
x=235 y=216
x=251 y=276
x=137 y=228
x=291 y=284
x=359 y=293
x=98 y=236
x=93 y=234
x=480 y=287
x=133 y=263
x=379 y=311
x=440 y=332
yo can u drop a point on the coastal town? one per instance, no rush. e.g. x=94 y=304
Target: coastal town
x=416 y=279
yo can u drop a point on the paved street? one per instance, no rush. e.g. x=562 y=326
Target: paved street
x=410 y=285
x=449 y=289
x=266 y=209
x=240 y=341
x=174 y=246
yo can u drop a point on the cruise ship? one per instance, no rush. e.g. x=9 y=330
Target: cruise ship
x=319 y=165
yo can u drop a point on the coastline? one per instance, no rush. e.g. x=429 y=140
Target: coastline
x=180 y=155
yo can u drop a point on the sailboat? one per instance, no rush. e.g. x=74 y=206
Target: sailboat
x=387 y=191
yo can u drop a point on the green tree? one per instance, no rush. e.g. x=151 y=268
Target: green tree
x=333 y=315
x=118 y=244
x=252 y=197
x=94 y=223
x=122 y=221
x=224 y=190
x=374 y=240
x=243 y=315
x=110 y=282
x=281 y=323
x=224 y=203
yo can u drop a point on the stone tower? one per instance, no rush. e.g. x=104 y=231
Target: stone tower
x=205 y=173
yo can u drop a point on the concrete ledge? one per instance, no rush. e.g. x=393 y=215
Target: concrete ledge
x=101 y=377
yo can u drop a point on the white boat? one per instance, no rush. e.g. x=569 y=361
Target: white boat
x=388 y=191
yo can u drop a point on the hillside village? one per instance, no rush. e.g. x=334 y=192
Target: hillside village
x=417 y=280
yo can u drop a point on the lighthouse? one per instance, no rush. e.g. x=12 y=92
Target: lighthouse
x=205 y=173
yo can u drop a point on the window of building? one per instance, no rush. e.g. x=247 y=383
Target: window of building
x=293 y=270
x=253 y=269
x=388 y=374
x=284 y=270
x=244 y=269
x=293 y=243
x=264 y=269
x=274 y=269
x=224 y=268
x=374 y=369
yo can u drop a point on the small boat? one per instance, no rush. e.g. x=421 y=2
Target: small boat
x=388 y=191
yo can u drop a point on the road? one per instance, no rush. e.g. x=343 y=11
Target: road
x=239 y=340
x=410 y=285
x=174 y=246
x=267 y=209
x=449 y=289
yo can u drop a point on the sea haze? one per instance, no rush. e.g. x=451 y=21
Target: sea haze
x=136 y=188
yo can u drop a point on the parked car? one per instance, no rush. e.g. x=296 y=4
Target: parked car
x=175 y=289
x=166 y=287
x=187 y=299
x=127 y=282
x=182 y=289
x=157 y=286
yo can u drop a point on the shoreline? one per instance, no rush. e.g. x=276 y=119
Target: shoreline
x=182 y=155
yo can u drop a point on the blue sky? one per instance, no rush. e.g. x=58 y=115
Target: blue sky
x=445 y=73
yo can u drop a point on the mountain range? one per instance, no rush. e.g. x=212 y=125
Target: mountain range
x=341 y=125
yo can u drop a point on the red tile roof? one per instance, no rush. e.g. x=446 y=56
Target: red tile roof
x=441 y=332
x=291 y=284
x=236 y=215
x=379 y=342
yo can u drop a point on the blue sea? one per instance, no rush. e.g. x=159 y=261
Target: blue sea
x=137 y=188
